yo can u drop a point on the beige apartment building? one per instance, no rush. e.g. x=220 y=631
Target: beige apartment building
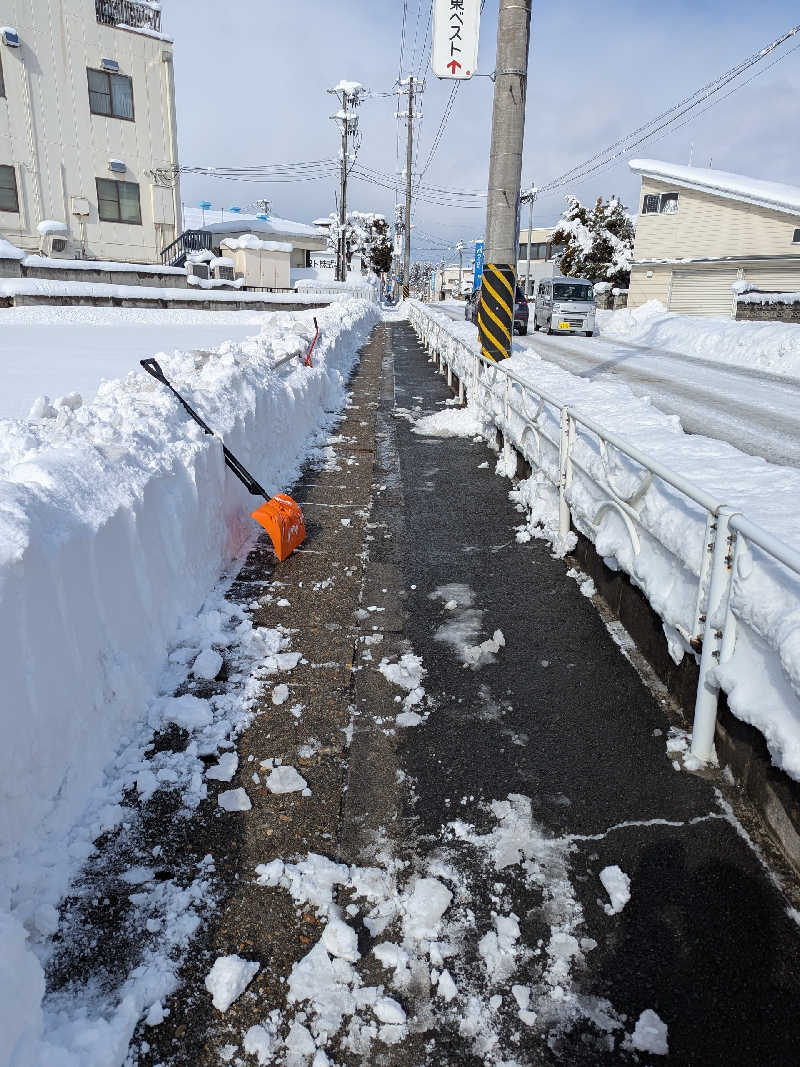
x=701 y=230
x=88 y=134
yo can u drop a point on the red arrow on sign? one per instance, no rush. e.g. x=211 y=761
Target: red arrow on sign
x=452 y=65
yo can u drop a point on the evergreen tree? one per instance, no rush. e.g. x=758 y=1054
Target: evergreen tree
x=367 y=235
x=598 y=243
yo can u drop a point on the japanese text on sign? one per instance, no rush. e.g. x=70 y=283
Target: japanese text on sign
x=456 y=26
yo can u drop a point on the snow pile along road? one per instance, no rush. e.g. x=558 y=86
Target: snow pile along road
x=762 y=678
x=115 y=521
x=767 y=346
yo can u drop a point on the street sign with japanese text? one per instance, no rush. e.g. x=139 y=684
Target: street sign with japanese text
x=456 y=25
x=477 y=273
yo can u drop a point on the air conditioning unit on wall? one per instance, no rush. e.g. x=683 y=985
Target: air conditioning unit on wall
x=57 y=246
x=197 y=270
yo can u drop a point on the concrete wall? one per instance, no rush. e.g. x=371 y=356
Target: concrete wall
x=13 y=268
x=59 y=148
x=711 y=226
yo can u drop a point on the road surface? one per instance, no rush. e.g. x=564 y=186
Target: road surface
x=757 y=412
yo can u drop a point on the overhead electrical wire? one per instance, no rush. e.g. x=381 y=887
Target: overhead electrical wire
x=667 y=120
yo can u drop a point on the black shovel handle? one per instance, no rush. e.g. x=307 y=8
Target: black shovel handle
x=153 y=368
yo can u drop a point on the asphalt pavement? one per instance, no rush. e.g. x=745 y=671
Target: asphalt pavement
x=563 y=719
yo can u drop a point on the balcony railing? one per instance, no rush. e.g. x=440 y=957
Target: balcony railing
x=128 y=13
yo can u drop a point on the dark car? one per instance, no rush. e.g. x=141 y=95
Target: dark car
x=520 y=309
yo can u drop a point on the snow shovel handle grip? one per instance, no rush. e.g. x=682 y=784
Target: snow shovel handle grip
x=245 y=477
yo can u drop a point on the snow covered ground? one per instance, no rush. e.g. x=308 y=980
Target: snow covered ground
x=60 y=350
x=116 y=519
x=769 y=346
x=762 y=679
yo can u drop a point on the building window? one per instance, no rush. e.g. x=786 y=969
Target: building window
x=666 y=204
x=9 y=200
x=796 y=238
x=118 y=202
x=110 y=94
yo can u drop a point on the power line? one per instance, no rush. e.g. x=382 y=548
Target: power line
x=668 y=118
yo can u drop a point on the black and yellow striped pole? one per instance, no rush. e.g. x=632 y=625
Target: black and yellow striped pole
x=498 y=286
x=496 y=310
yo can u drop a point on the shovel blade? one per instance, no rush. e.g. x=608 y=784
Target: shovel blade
x=282 y=518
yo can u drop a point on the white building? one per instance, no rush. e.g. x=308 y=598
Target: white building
x=88 y=133
x=543 y=259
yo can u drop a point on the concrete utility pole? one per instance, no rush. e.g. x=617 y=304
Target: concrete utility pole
x=409 y=163
x=347 y=119
x=341 y=246
x=530 y=196
x=460 y=250
x=496 y=310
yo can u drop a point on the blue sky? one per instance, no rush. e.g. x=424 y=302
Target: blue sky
x=251 y=89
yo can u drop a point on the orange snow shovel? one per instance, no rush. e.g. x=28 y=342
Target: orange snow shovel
x=280 y=516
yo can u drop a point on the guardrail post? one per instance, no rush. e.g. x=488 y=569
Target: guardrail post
x=705 y=708
x=565 y=471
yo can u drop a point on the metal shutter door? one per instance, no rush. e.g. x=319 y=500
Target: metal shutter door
x=702 y=292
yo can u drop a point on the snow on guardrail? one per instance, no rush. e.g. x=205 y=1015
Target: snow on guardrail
x=655 y=501
x=116 y=519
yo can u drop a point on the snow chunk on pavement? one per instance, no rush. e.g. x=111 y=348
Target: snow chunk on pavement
x=424 y=906
x=341 y=940
x=234 y=800
x=389 y=1011
x=259 y=1042
x=286 y=780
x=618 y=886
x=454 y=422
x=446 y=987
x=280 y=694
x=187 y=711
x=228 y=979
x=225 y=768
x=478 y=655
x=207 y=665
x=407 y=673
x=498 y=947
x=650 y=1034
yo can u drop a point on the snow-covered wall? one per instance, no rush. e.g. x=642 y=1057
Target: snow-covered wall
x=115 y=521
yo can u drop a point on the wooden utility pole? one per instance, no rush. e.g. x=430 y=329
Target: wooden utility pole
x=496 y=309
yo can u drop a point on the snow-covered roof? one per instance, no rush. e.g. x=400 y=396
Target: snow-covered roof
x=249 y=240
x=772 y=195
x=273 y=225
x=9 y=251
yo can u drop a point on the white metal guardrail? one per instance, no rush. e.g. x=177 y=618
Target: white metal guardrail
x=521 y=413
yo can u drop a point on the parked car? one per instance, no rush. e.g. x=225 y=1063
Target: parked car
x=565 y=305
x=520 y=309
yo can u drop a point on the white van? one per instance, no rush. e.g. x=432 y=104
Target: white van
x=565 y=305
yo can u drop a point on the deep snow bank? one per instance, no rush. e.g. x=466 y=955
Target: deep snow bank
x=762 y=678
x=115 y=521
x=769 y=346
